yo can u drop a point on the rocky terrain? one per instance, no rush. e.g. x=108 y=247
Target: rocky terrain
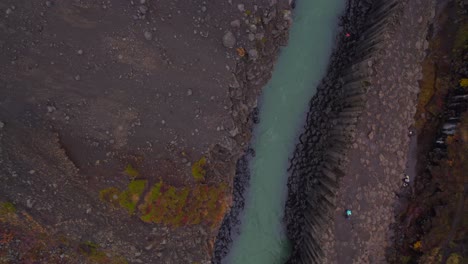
x=113 y=112
x=124 y=123
x=431 y=220
x=361 y=134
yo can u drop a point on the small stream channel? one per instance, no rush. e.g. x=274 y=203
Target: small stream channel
x=300 y=68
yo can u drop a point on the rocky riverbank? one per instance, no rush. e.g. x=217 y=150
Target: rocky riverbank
x=250 y=77
x=353 y=152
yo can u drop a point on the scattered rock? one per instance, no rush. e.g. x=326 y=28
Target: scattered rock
x=149 y=247
x=234 y=132
x=229 y=40
x=241 y=7
x=203 y=9
x=2 y=125
x=371 y=135
x=49 y=3
x=80 y=52
x=287 y=15
x=77 y=77
x=251 y=37
x=189 y=92
x=253 y=28
x=418 y=45
x=234 y=83
x=50 y=109
x=259 y=36
x=148 y=35
x=235 y=23
x=253 y=54
x=143 y=9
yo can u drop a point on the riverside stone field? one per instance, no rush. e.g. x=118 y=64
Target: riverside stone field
x=129 y=131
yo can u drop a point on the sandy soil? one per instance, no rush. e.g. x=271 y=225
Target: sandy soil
x=88 y=87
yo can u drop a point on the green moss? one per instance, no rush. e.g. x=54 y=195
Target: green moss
x=137 y=186
x=7 y=208
x=199 y=170
x=155 y=191
x=131 y=171
x=184 y=206
x=129 y=198
x=125 y=200
x=166 y=204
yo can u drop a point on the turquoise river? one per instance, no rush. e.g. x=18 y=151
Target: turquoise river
x=300 y=68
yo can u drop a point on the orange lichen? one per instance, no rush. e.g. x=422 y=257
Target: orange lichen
x=417 y=245
x=240 y=52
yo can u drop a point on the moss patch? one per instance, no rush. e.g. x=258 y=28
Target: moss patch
x=7 y=208
x=131 y=171
x=169 y=205
x=199 y=170
x=128 y=199
x=184 y=206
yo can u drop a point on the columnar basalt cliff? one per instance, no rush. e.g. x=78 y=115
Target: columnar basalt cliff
x=320 y=157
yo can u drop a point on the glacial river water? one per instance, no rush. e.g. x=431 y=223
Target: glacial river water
x=301 y=66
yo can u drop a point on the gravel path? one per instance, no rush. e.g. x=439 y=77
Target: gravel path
x=377 y=159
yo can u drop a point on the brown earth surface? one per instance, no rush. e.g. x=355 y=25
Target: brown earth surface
x=123 y=94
